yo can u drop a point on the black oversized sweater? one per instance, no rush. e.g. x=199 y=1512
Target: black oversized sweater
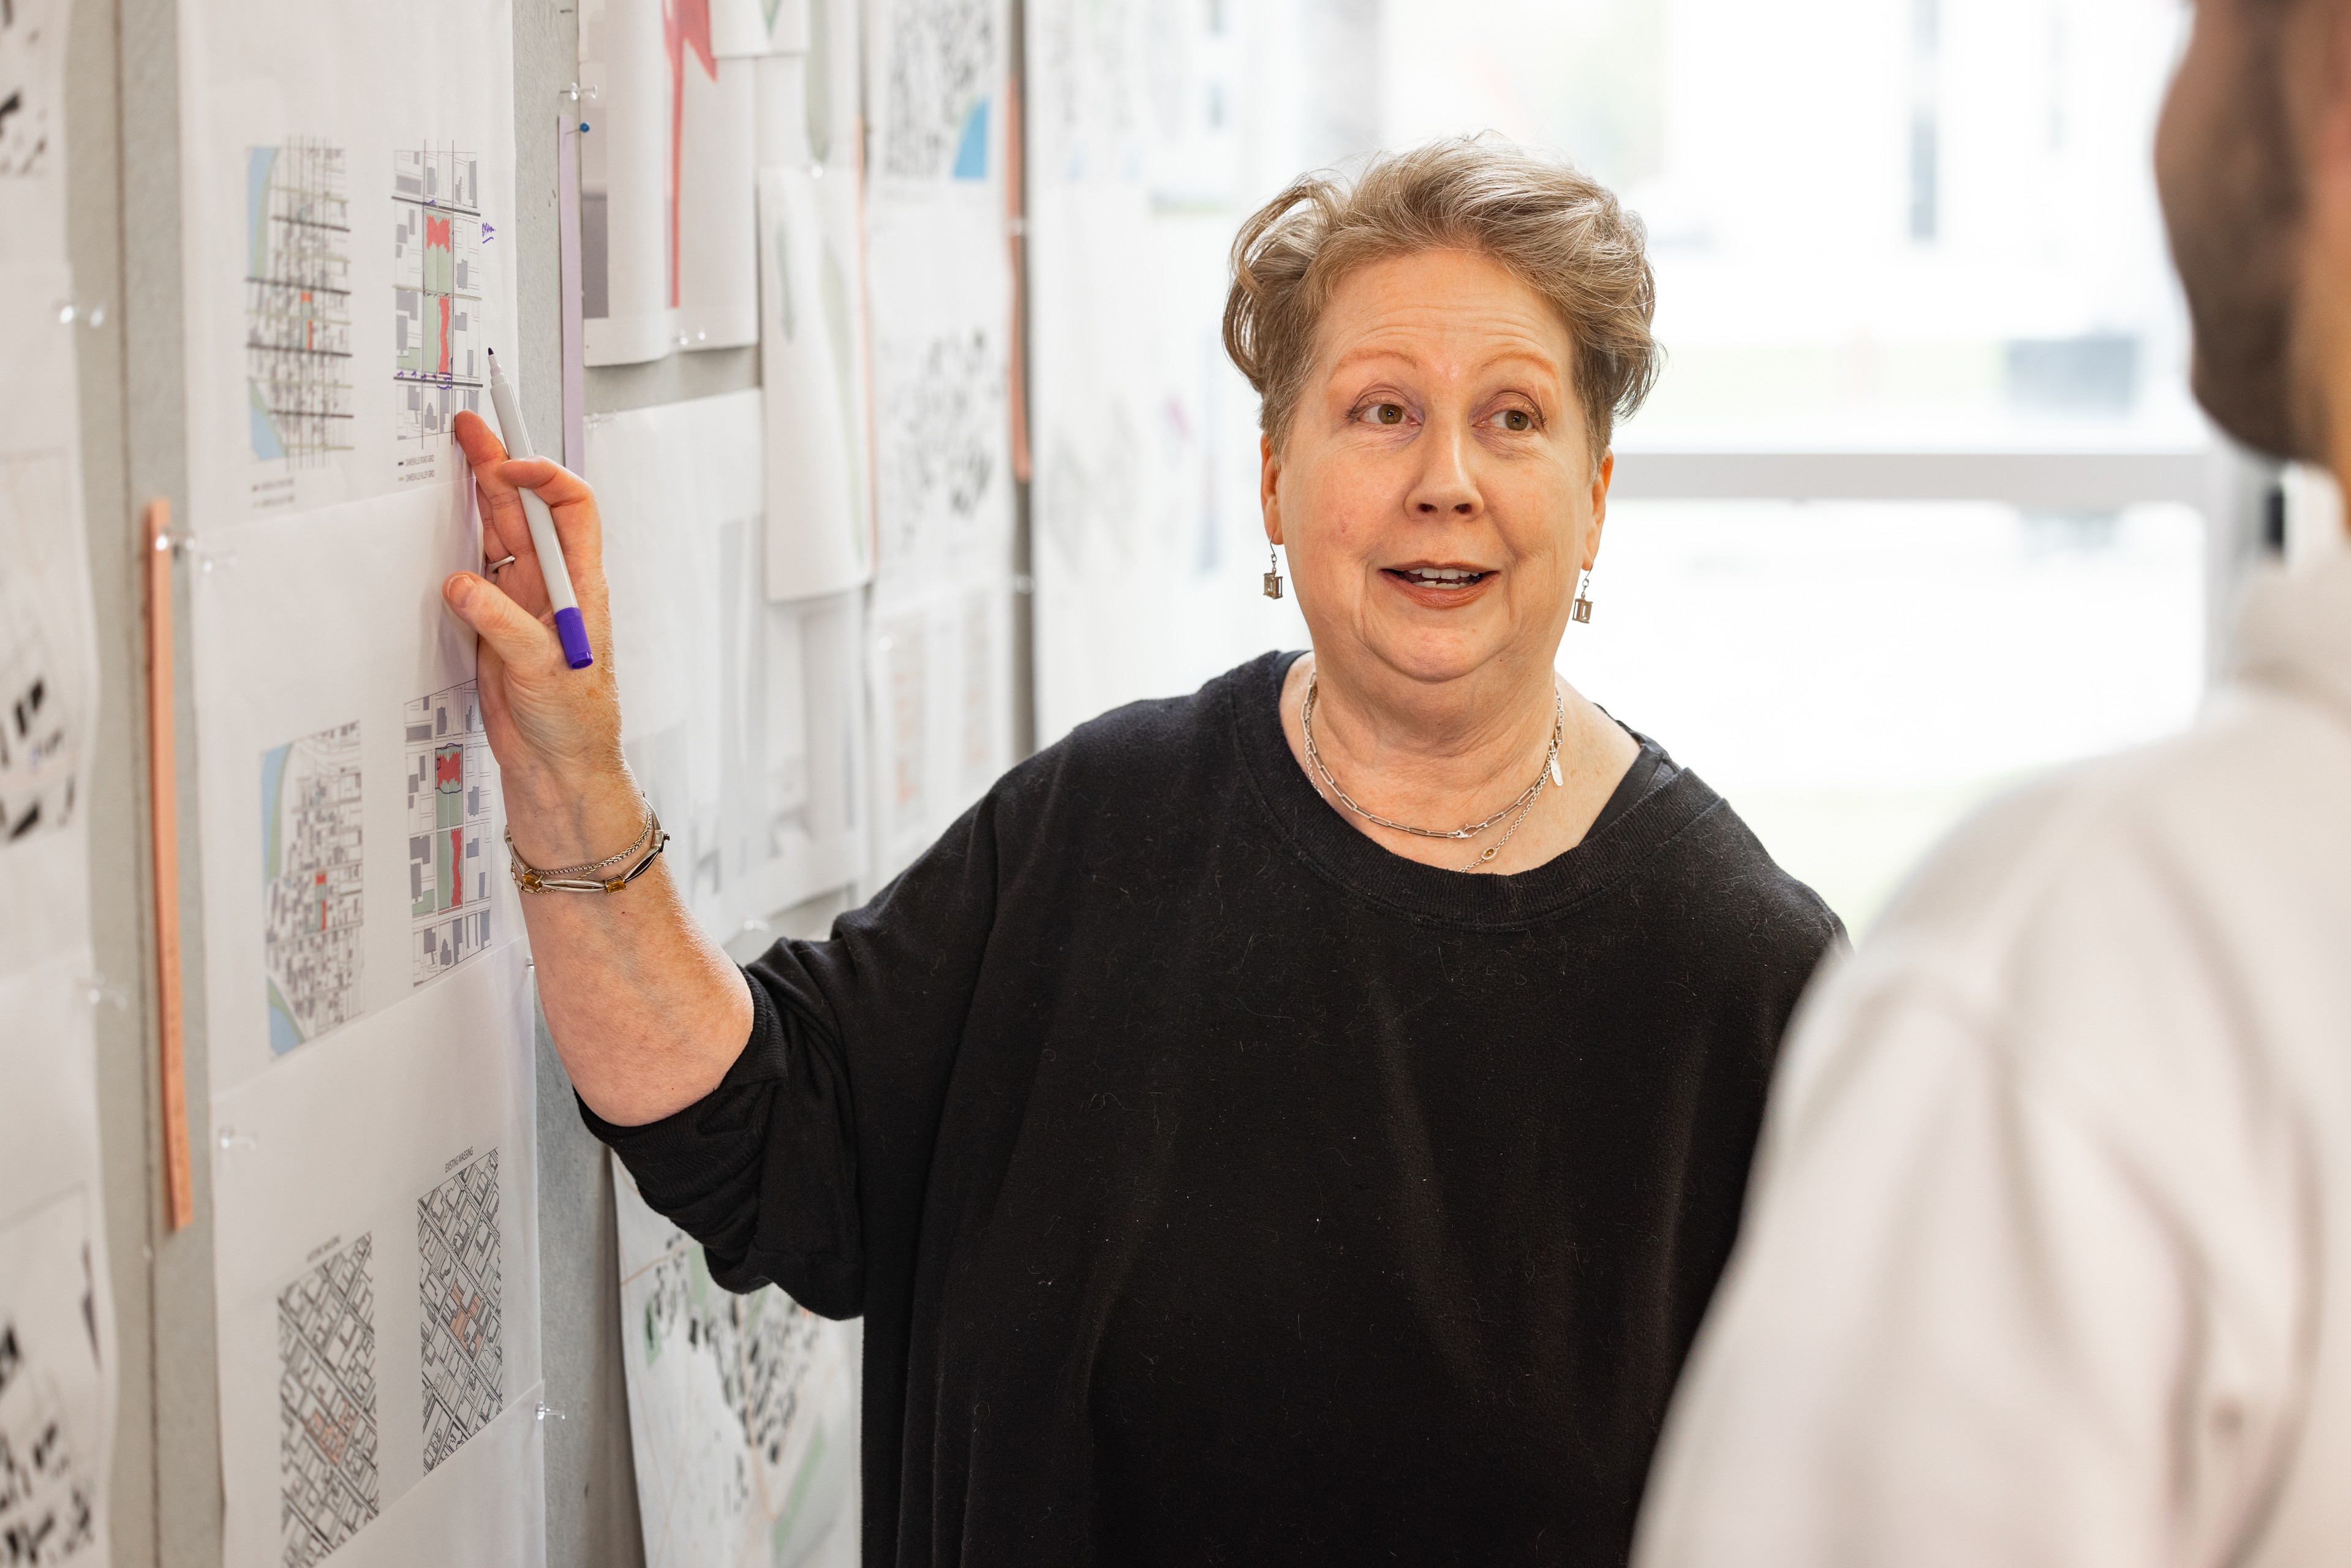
x=1218 y=1187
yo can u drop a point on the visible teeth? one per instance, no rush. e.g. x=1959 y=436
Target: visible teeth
x=1434 y=574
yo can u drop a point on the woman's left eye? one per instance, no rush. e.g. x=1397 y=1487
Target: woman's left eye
x=1516 y=419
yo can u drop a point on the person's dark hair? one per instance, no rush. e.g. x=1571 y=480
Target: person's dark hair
x=1562 y=232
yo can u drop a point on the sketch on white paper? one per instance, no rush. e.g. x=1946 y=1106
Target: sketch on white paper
x=48 y=1384
x=448 y=831
x=28 y=79
x=328 y=1486
x=457 y=1248
x=978 y=766
x=627 y=178
x=311 y=931
x=298 y=303
x=436 y=282
x=813 y=389
x=941 y=437
x=742 y=1408
x=938 y=81
x=41 y=691
x=906 y=670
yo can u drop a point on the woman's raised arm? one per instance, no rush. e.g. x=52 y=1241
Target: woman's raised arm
x=645 y=1010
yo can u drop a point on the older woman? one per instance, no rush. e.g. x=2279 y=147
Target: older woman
x=1299 y=1121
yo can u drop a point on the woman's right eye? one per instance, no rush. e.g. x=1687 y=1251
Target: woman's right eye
x=1385 y=412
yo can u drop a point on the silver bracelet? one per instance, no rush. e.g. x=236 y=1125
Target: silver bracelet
x=570 y=879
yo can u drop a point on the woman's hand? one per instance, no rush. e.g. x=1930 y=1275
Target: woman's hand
x=556 y=731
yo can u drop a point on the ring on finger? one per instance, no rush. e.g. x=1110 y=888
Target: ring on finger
x=501 y=562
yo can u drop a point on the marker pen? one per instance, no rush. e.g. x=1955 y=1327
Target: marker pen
x=551 y=569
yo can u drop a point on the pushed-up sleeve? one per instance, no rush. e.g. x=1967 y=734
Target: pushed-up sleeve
x=820 y=1133
x=1970 y=1320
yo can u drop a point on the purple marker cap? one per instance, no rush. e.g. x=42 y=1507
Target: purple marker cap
x=573 y=633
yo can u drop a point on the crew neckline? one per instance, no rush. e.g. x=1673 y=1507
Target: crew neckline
x=1614 y=851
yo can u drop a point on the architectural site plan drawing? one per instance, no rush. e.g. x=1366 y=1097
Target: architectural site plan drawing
x=326 y=1402
x=298 y=303
x=461 y=1345
x=449 y=798
x=436 y=291
x=313 y=915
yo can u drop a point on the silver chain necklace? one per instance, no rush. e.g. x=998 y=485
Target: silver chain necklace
x=1522 y=806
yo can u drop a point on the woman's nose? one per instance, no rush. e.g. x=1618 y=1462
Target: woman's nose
x=1443 y=487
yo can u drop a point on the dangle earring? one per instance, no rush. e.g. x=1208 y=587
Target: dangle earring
x=1581 y=610
x=1272 y=572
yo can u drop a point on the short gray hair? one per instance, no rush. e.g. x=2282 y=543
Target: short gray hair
x=1562 y=232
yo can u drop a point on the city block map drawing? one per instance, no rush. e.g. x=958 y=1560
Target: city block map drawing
x=298 y=303
x=938 y=79
x=30 y=39
x=742 y=1408
x=437 y=272
x=448 y=831
x=40 y=649
x=458 y=1248
x=49 y=1389
x=939 y=441
x=312 y=939
x=328 y=1488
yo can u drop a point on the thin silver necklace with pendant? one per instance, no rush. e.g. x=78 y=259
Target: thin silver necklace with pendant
x=1515 y=810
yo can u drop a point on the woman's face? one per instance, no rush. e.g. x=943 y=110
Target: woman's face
x=1437 y=494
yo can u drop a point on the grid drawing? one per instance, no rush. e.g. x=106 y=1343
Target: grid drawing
x=328 y=1486
x=448 y=831
x=311 y=863
x=436 y=281
x=457 y=1246
x=298 y=303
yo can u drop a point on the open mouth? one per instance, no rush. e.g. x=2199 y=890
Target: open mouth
x=1441 y=578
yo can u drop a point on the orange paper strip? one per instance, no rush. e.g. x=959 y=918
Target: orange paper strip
x=162 y=780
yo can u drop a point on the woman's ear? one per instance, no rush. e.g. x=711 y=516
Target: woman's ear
x=1269 y=487
x=1604 y=472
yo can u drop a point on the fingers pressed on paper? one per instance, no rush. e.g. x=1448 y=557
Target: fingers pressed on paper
x=482 y=447
x=519 y=638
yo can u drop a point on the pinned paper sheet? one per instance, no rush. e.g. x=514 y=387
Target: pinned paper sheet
x=346 y=244
x=350 y=827
x=58 y=1374
x=33 y=130
x=718 y=287
x=780 y=112
x=628 y=299
x=835 y=31
x=937 y=72
x=48 y=655
x=819 y=532
x=742 y=28
x=942 y=312
x=940 y=681
x=743 y=1410
x=375 y=1254
x=740 y=717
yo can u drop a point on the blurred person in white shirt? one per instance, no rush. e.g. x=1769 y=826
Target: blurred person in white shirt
x=2048 y=1259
